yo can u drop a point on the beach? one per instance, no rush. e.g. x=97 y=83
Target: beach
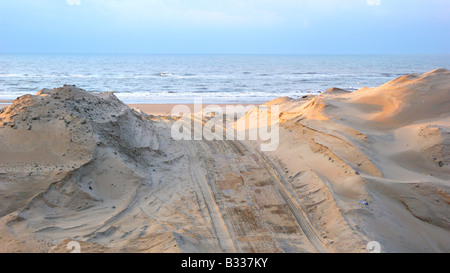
x=159 y=109
x=166 y=109
x=347 y=168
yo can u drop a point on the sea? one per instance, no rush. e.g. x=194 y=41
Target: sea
x=241 y=79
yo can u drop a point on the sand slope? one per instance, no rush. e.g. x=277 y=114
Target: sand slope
x=79 y=172
x=81 y=166
x=388 y=146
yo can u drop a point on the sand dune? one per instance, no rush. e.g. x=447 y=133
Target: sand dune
x=81 y=166
x=387 y=146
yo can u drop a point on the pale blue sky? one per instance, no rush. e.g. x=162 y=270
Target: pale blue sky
x=226 y=26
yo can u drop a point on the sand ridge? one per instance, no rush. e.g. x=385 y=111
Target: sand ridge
x=387 y=146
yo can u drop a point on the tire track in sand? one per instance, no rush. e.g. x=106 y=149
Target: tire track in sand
x=241 y=148
x=203 y=193
x=296 y=209
x=199 y=177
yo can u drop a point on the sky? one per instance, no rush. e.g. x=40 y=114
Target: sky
x=225 y=26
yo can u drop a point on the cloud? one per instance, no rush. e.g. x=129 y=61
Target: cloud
x=374 y=2
x=73 y=2
x=193 y=12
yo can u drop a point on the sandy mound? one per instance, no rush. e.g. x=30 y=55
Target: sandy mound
x=408 y=99
x=336 y=91
x=74 y=165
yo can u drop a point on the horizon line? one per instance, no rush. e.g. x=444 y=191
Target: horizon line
x=231 y=54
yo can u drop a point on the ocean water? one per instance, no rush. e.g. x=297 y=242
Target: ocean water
x=215 y=78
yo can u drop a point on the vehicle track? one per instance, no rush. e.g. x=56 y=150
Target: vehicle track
x=224 y=221
x=199 y=177
x=204 y=196
x=295 y=207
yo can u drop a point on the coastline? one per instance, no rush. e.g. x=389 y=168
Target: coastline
x=155 y=109
x=166 y=109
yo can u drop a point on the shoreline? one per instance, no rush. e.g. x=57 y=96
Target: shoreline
x=165 y=109
x=155 y=109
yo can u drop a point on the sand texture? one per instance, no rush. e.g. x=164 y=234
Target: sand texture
x=80 y=166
